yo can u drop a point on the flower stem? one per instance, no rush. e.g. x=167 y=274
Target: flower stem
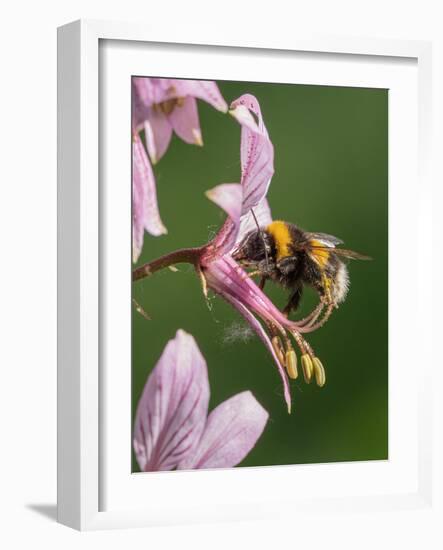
x=183 y=255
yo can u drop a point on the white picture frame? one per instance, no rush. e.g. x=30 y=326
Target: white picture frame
x=82 y=414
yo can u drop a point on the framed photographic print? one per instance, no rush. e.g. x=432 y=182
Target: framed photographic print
x=233 y=271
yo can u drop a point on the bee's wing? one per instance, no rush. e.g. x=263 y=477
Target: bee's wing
x=345 y=253
x=323 y=239
x=319 y=245
x=351 y=254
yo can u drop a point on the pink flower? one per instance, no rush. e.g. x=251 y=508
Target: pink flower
x=172 y=428
x=222 y=274
x=159 y=106
x=145 y=214
x=164 y=105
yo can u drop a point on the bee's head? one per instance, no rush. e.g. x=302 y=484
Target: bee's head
x=255 y=247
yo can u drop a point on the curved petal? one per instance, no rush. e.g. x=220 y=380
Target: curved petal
x=261 y=333
x=158 y=133
x=171 y=414
x=257 y=161
x=138 y=214
x=227 y=196
x=184 y=120
x=249 y=102
x=232 y=430
x=224 y=275
x=233 y=284
x=206 y=90
x=248 y=223
x=256 y=151
x=145 y=214
x=140 y=110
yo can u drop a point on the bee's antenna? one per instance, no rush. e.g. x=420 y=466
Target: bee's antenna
x=262 y=237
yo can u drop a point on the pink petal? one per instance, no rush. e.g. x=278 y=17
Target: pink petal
x=261 y=333
x=256 y=151
x=248 y=223
x=233 y=284
x=232 y=430
x=224 y=275
x=227 y=196
x=202 y=89
x=139 y=197
x=257 y=160
x=138 y=227
x=146 y=93
x=158 y=133
x=184 y=120
x=153 y=90
x=171 y=414
x=140 y=110
x=145 y=214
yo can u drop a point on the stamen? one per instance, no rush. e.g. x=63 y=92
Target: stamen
x=285 y=352
x=315 y=326
x=275 y=329
x=140 y=310
x=261 y=284
x=278 y=348
x=291 y=364
x=312 y=317
x=203 y=281
x=301 y=342
x=307 y=366
x=319 y=372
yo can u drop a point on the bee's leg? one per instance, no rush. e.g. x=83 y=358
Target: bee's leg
x=262 y=282
x=311 y=327
x=326 y=295
x=294 y=301
x=311 y=322
x=251 y=274
x=326 y=289
x=313 y=316
x=309 y=319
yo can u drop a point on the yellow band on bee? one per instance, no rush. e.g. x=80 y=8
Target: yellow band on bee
x=282 y=237
x=320 y=255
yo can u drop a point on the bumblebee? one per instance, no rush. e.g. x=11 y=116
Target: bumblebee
x=293 y=258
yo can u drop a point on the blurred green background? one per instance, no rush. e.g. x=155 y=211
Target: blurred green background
x=331 y=175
